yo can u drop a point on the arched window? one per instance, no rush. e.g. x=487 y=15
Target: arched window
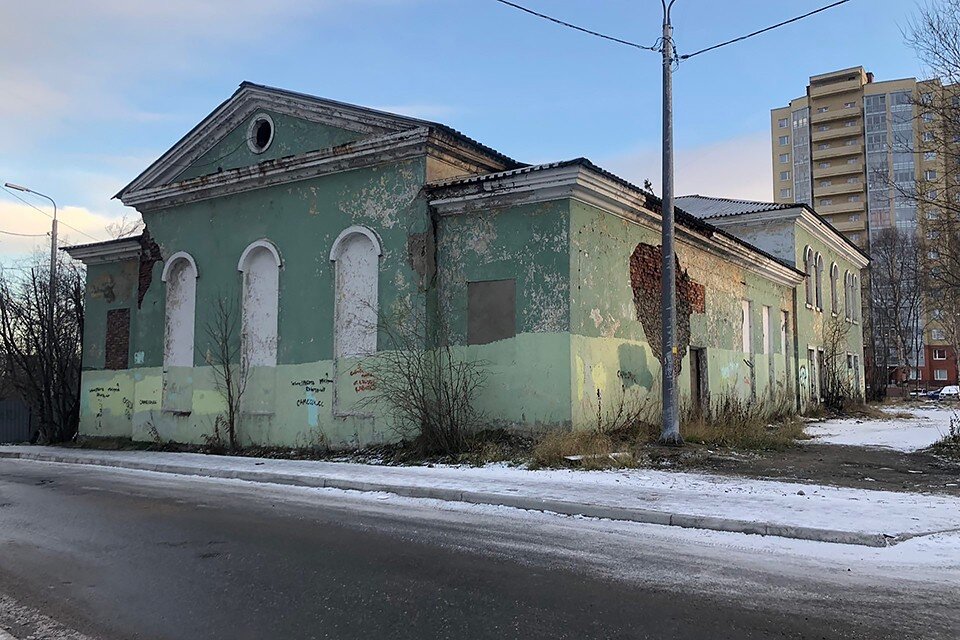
x=834 y=288
x=855 y=298
x=808 y=269
x=818 y=261
x=356 y=252
x=260 y=265
x=847 y=295
x=180 y=276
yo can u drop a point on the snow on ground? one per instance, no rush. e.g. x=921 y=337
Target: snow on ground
x=903 y=434
x=697 y=494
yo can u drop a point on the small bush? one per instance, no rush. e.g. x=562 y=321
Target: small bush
x=949 y=444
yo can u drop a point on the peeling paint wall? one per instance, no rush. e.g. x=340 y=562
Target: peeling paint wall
x=528 y=244
x=613 y=359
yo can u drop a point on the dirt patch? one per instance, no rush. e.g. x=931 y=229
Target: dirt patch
x=844 y=466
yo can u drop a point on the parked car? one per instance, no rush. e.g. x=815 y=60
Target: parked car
x=950 y=392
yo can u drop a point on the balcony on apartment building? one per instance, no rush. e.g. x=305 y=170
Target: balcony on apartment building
x=837 y=151
x=820 y=90
x=838 y=169
x=837 y=113
x=842 y=187
x=844 y=224
x=838 y=131
x=840 y=207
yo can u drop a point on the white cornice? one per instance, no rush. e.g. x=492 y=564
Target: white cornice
x=112 y=251
x=832 y=238
x=366 y=152
x=577 y=182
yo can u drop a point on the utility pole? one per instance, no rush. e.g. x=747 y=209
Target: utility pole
x=670 y=429
x=52 y=294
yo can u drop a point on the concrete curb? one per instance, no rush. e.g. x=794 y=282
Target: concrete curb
x=610 y=512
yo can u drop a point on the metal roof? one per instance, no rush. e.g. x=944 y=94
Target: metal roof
x=705 y=207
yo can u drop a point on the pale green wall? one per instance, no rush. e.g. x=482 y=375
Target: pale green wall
x=811 y=321
x=609 y=352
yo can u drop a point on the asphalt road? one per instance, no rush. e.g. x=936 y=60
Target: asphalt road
x=116 y=554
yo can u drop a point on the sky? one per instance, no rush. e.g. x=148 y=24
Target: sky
x=93 y=92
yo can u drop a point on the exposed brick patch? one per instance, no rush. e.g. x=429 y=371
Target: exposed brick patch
x=645 y=273
x=117 y=347
x=149 y=256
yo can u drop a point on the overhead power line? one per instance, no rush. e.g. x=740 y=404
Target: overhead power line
x=33 y=206
x=576 y=28
x=764 y=30
x=655 y=47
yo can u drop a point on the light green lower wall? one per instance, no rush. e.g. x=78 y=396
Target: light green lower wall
x=306 y=404
x=625 y=372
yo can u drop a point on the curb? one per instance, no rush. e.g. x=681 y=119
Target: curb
x=609 y=512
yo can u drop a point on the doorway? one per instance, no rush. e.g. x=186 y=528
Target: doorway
x=699 y=392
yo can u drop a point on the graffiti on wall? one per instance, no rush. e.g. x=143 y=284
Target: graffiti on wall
x=646 y=271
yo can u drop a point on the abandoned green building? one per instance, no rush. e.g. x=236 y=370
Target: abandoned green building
x=315 y=220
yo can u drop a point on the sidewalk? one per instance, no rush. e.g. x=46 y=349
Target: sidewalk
x=703 y=501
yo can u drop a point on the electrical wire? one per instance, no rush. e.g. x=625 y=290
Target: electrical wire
x=33 y=206
x=764 y=30
x=576 y=28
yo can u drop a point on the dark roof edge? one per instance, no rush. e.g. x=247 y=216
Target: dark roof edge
x=652 y=202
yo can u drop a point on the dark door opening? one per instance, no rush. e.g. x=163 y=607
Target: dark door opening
x=699 y=394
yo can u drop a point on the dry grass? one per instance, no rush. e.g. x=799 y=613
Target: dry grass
x=730 y=423
x=741 y=424
x=592 y=447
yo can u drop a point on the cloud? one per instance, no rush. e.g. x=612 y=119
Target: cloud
x=78 y=225
x=735 y=168
x=64 y=62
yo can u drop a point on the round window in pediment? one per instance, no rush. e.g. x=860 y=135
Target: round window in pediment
x=260 y=133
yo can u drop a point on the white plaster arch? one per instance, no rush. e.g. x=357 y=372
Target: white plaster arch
x=260 y=264
x=179 y=255
x=180 y=312
x=356 y=255
x=257 y=244
x=808 y=268
x=337 y=247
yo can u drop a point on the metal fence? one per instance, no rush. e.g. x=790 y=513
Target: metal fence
x=16 y=422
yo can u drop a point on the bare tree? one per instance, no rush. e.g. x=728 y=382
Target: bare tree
x=933 y=196
x=898 y=321
x=224 y=354
x=125 y=226
x=837 y=387
x=42 y=361
x=429 y=387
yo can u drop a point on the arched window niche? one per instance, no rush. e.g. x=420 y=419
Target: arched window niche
x=356 y=255
x=180 y=280
x=260 y=265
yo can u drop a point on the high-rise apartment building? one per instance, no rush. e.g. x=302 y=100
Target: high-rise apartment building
x=852 y=148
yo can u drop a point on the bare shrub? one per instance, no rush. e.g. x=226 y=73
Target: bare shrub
x=949 y=444
x=428 y=386
x=224 y=354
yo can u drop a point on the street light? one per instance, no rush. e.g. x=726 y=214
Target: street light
x=53 y=281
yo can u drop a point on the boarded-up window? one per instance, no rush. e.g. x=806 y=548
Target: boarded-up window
x=357 y=259
x=491 y=311
x=117 y=348
x=180 y=275
x=260 y=264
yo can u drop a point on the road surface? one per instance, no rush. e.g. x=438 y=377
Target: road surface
x=101 y=553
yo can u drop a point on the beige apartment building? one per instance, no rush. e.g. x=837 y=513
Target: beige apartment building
x=849 y=148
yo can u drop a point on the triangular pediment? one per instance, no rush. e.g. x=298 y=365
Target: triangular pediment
x=300 y=124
